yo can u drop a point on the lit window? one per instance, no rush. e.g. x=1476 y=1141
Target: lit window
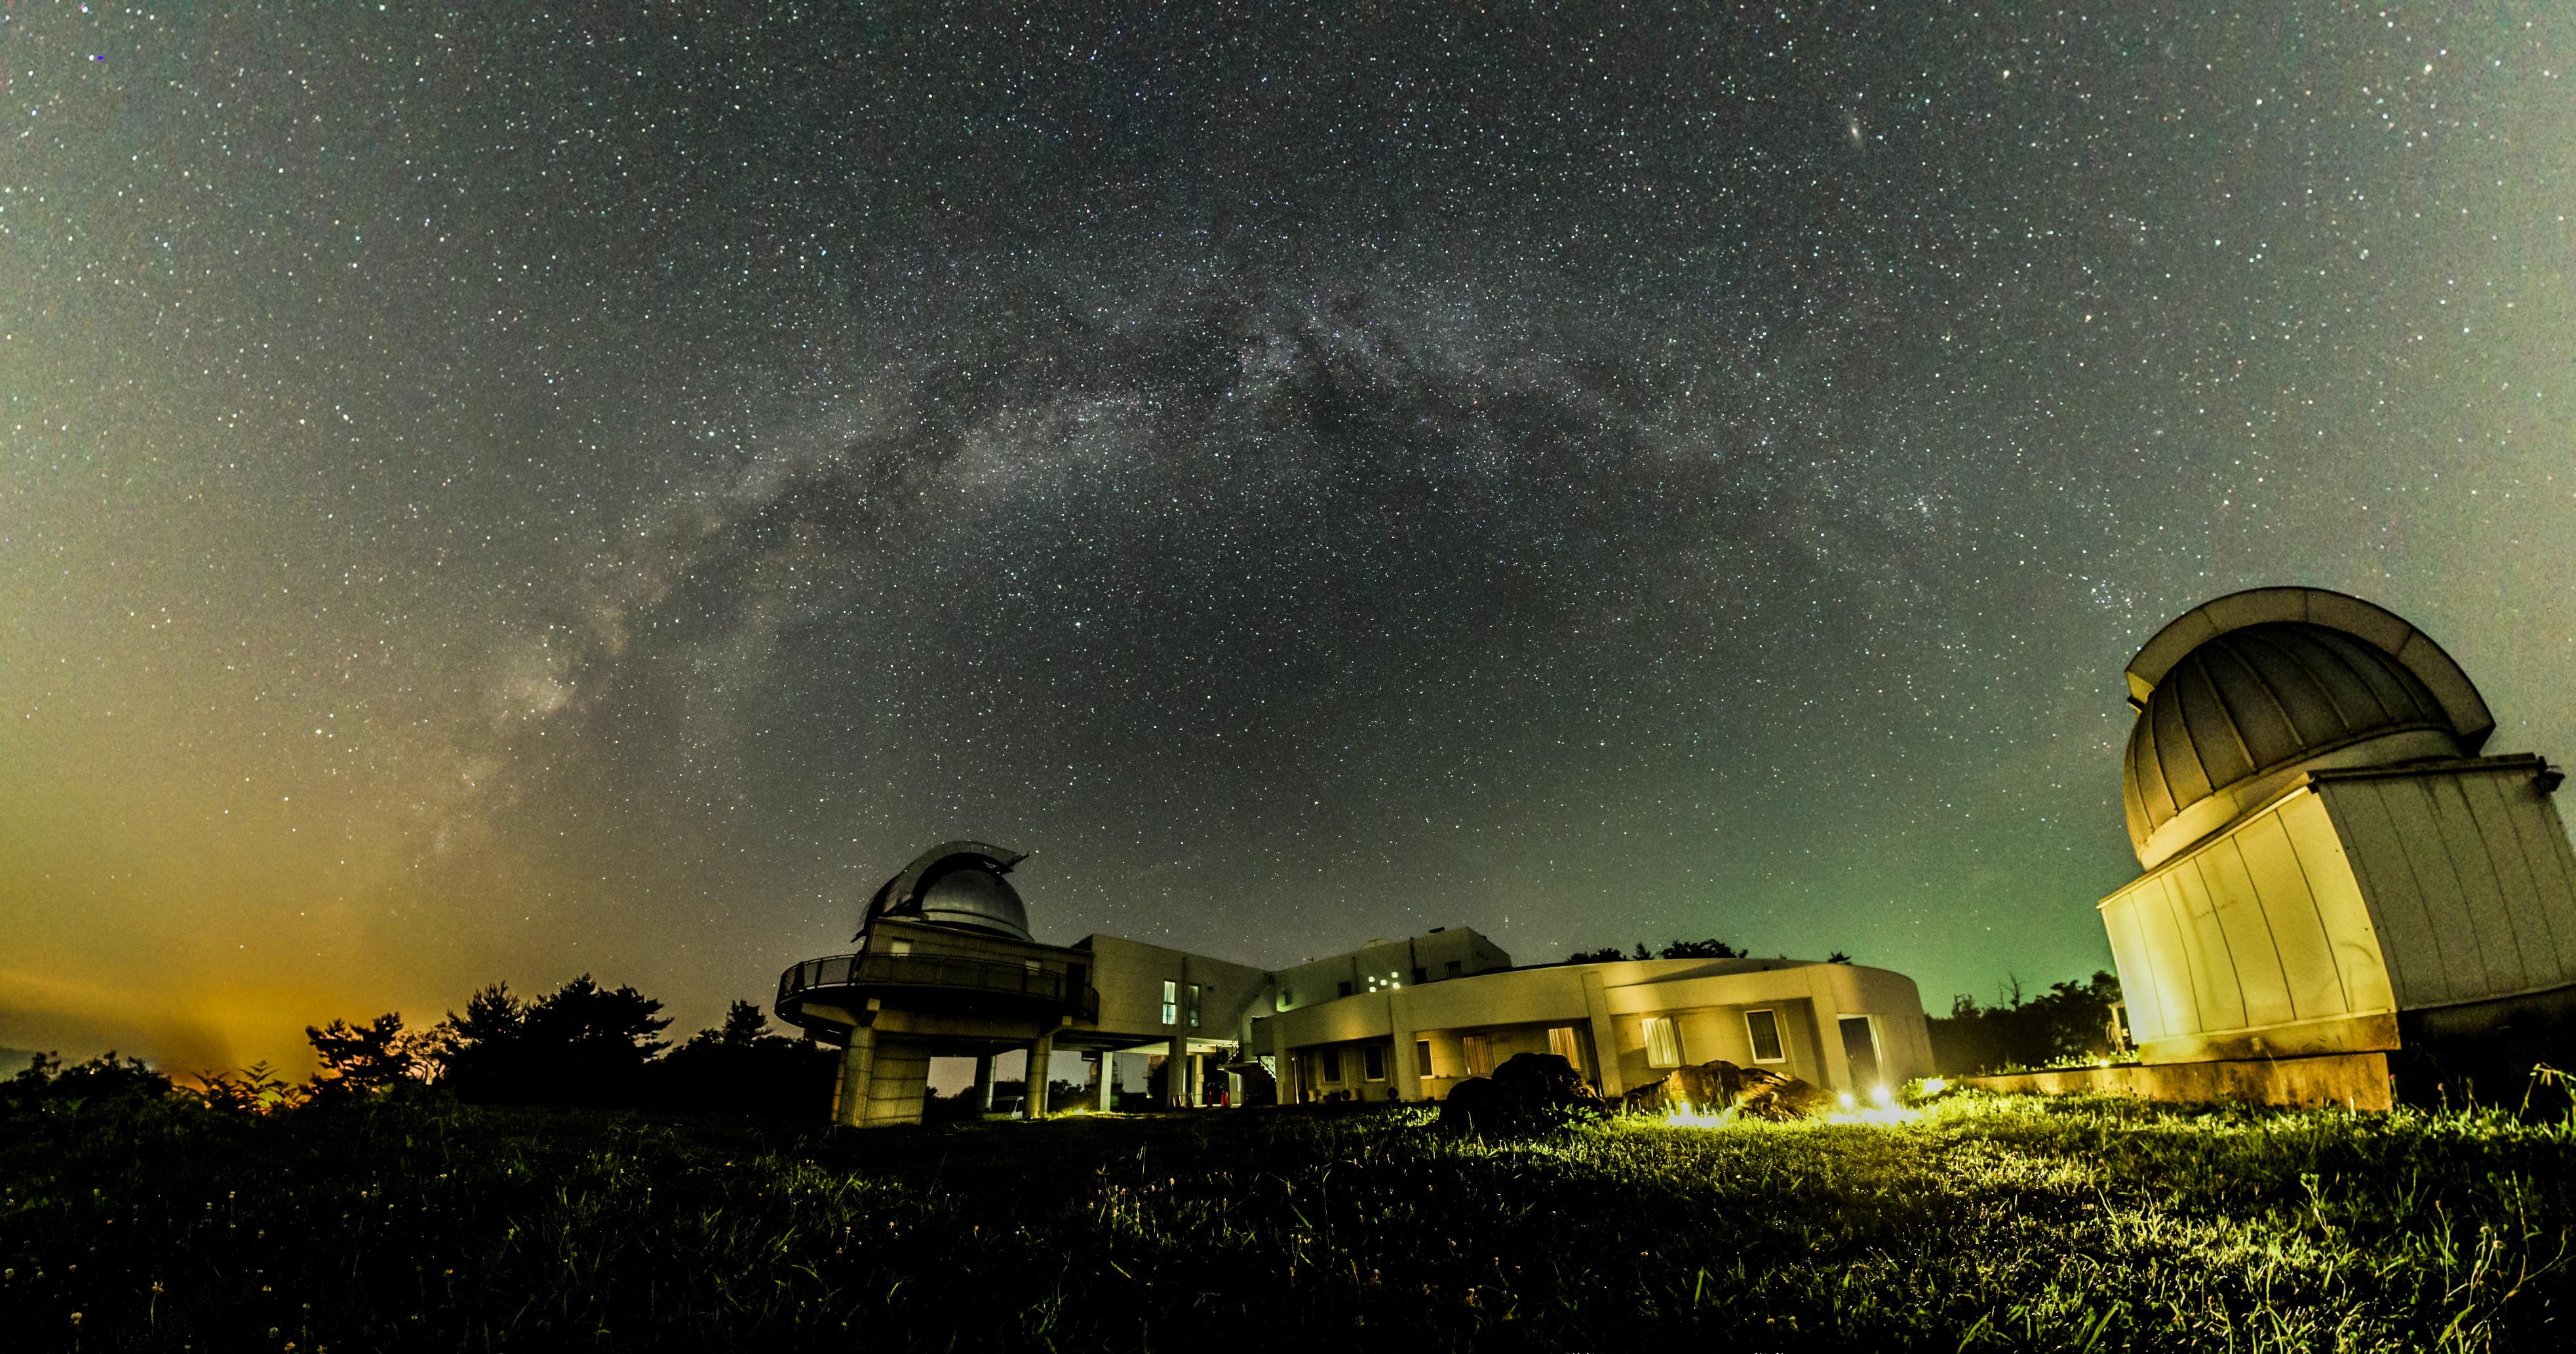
x=1764 y=1027
x=899 y=947
x=1194 y=1006
x=1171 y=1002
x=1480 y=1054
x=1373 y=1063
x=1560 y=1041
x=1663 y=1042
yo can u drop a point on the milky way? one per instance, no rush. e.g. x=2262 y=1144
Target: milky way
x=499 y=496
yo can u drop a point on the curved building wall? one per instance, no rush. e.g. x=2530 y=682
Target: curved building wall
x=2307 y=927
x=2259 y=943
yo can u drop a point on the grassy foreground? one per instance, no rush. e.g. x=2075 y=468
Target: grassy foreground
x=1988 y=1224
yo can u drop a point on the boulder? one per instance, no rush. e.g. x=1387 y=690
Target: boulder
x=1720 y=1086
x=1530 y=1090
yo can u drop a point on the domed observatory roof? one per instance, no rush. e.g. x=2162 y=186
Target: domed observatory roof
x=957 y=884
x=2239 y=697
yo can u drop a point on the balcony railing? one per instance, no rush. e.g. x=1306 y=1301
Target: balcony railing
x=935 y=972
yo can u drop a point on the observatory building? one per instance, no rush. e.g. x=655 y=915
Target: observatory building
x=2338 y=888
x=947 y=967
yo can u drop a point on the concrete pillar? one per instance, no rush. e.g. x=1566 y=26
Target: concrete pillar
x=983 y=1099
x=1283 y=1063
x=1104 y=1092
x=1826 y=1015
x=1176 y=1072
x=1405 y=1068
x=858 y=1061
x=1605 y=1037
x=1033 y=1105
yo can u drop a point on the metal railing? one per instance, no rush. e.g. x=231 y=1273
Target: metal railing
x=944 y=972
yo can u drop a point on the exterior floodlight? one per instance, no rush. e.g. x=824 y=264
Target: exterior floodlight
x=1846 y=1098
x=1878 y=1096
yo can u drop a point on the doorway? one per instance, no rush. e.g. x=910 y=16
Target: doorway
x=1860 y=1046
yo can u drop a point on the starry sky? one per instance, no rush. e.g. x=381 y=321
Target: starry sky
x=499 y=495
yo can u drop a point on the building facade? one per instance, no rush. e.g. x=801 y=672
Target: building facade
x=946 y=967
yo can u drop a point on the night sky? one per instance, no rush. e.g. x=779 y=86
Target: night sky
x=497 y=497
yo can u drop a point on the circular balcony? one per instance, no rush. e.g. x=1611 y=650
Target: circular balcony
x=932 y=982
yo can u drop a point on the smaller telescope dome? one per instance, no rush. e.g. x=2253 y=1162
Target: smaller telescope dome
x=956 y=884
x=970 y=893
x=2241 y=696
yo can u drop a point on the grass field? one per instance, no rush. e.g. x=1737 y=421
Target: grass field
x=1986 y=1224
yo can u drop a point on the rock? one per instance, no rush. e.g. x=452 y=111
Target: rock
x=1718 y=1087
x=1530 y=1090
x=1537 y=1080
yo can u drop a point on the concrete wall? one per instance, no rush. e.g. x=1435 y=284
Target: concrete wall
x=2357 y=1081
x=897 y=1083
x=2468 y=875
x=2304 y=929
x=1130 y=975
x=2259 y=941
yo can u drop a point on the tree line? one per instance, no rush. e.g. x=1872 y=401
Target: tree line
x=2070 y=1022
x=1678 y=949
x=579 y=1045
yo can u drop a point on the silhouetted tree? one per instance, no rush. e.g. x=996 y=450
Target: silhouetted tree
x=745 y=1025
x=1600 y=956
x=256 y=1089
x=581 y=1044
x=105 y=1078
x=360 y=1060
x=1838 y=957
x=741 y=1068
x=1697 y=949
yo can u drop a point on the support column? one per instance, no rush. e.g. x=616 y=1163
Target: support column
x=983 y=1099
x=1105 y=1094
x=1033 y=1104
x=1406 y=1066
x=1176 y=1072
x=1605 y=1037
x=858 y=1061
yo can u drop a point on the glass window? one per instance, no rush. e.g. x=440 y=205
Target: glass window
x=1764 y=1028
x=1454 y=968
x=1560 y=1041
x=1346 y=987
x=1373 y=1063
x=899 y=947
x=1171 y=1002
x=1422 y=1057
x=1332 y=1064
x=1194 y=1005
x=1663 y=1042
x=1480 y=1054
x=1421 y=976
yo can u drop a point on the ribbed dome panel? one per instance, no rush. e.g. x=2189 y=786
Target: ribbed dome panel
x=2252 y=701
